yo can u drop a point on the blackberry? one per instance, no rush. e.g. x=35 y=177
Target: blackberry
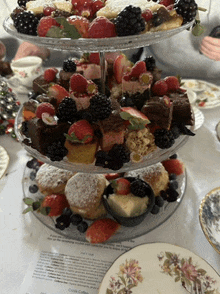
x=186 y=8
x=136 y=100
x=69 y=65
x=26 y=23
x=22 y=2
x=139 y=188
x=163 y=138
x=120 y=152
x=106 y=161
x=114 y=164
x=100 y=107
x=56 y=151
x=150 y=63
x=98 y=83
x=129 y=21
x=126 y=101
x=67 y=110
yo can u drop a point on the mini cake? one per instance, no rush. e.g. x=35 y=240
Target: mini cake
x=52 y=180
x=84 y=194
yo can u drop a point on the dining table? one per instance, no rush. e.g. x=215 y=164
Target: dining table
x=22 y=236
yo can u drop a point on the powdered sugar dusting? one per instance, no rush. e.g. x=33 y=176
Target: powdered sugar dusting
x=146 y=171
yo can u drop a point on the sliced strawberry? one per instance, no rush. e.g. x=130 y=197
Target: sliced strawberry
x=147 y=14
x=50 y=74
x=94 y=58
x=80 y=23
x=120 y=66
x=137 y=120
x=160 y=88
x=172 y=83
x=80 y=132
x=101 y=27
x=121 y=186
x=101 y=230
x=58 y=92
x=112 y=176
x=138 y=69
x=174 y=166
x=56 y=203
x=45 y=24
x=78 y=83
x=45 y=107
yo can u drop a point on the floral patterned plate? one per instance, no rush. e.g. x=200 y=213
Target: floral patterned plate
x=209 y=216
x=159 y=268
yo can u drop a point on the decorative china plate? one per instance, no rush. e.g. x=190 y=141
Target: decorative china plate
x=159 y=268
x=209 y=216
x=95 y=45
x=4 y=161
x=208 y=94
x=151 y=221
x=199 y=118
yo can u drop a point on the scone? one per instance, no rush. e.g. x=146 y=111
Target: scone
x=52 y=180
x=84 y=194
x=155 y=175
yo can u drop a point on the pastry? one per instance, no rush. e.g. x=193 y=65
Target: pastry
x=84 y=194
x=52 y=180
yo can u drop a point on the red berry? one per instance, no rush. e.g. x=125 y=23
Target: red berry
x=78 y=83
x=50 y=74
x=201 y=104
x=45 y=24
x=96 y=5
x=56 y=203
x=83 y=8
x=121 y=186
x=81 y=131
x=80 y=23
x=101 y=27
x=45 y=107
x=57 y=92
x=101 y=230
x=160 y=88
x=174 y=166
x=48 y=10
x=94 y=58
x=147 y=14
x=138 y=68
x=112 y=176
x=166 y=2
x=172 y=83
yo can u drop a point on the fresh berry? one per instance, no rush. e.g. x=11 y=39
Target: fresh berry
x=187 y=9
x=83 y=8
x=129 y=21
x=56 y=203
x=100 y=107
x=101 y=230
x=82 y=227
x=101 y=27
x=163 y=194
x=163 y=138
x=96 y=5
x=155 y=209
x=159 y=201
x=26 y=22
x=120 y=152
x=48 y=119
x=174 y=156
x=47 y=11
x=67 y=110
x=172 y=83
x=69 y=65
x=78 y=83
x=172 y=177
x=45 y=24
x=121 y=186
x=45 y=107
x=172 y=195
x=112 y=176
x=67 y=211
x=56 y=151
x=33 y=189
x=138 y=69
x=140 y=188
x=136 y=119
x=81 y=24
x=202 y=103
x=150 y=63
x=166 y=2
x=81 y=131
x=160 y=88
x=174 y=166
x=94 y=58
x=62 y=222
x=75 y=219
x=22 y=2
x=50 y=74
x=57 y=92
x=147 y=14
x=120 y=67
x=173 y=184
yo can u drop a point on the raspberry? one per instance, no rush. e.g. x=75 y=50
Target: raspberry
x=172 y=83
x=81 y=131
x=47 y=11
x=45 y=24
x=81 y=24
x=50 y=74
x=160 y=88
x=101 y=27
x=45 y=107
x=78 y=83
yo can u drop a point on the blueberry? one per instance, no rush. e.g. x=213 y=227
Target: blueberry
x=62 y=222
x=173 y=184
x=33 y=175
x=33 y=188
x=67 y=211
x=75 y=219
x=163 y=194
x=155 y=209
x=30 y=163
x=159 y=201
x=172 y=177
x=82 y=227
x=174 y=156
x=172 y=195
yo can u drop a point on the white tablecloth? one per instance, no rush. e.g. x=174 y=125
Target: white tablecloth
x=19 y=234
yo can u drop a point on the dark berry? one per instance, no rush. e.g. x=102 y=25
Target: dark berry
x=32 y=163
x=62 y=222
x=159 y=201
x=172 y=177
x=67 y=211
x=33 y=175
x=163 y=194
x=155 y=209
x=100 y=107
x=126 y=101
x=69 y=65
x=82 y=227
x=24 y=128
x=33 y=189
x=56 y=151
x=173 y=184
x=75 y=219
x=163 y=138
x=150 y=63
x=139 y=188
x=114 y=164
x=120 y=152
x=67 y=110
x=22 y=2
x=129 y=21
x=174 y=156
x=187 y=9
x=176 y=132
x=26 y=23
x=102 y=158
x=172 y=194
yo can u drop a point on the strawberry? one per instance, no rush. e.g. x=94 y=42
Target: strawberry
x=57 y=92
x=94 y=58
x=47 y=10
x=138 y=69
x=101 y=230
x=80 y=23
x=174 y=166
x=80 y=132
x=96 y=5
x=172 y=83
x=56 y=203
x=201 y=104
x=137 y=120
x=120 y=66
x=50 y=74
x=112 y=176
x=101 y=27
x=78 y=83
x=147 y=14
x=166 y=2
x=45 y=24
x=45 y=107
x=83 y=8
x=121 y=186
x=160 y=88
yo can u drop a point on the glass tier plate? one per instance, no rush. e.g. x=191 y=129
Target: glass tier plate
x=124 y=233
x=152 y=158
x=95 y=45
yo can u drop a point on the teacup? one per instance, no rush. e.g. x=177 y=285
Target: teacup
x=25 y=70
